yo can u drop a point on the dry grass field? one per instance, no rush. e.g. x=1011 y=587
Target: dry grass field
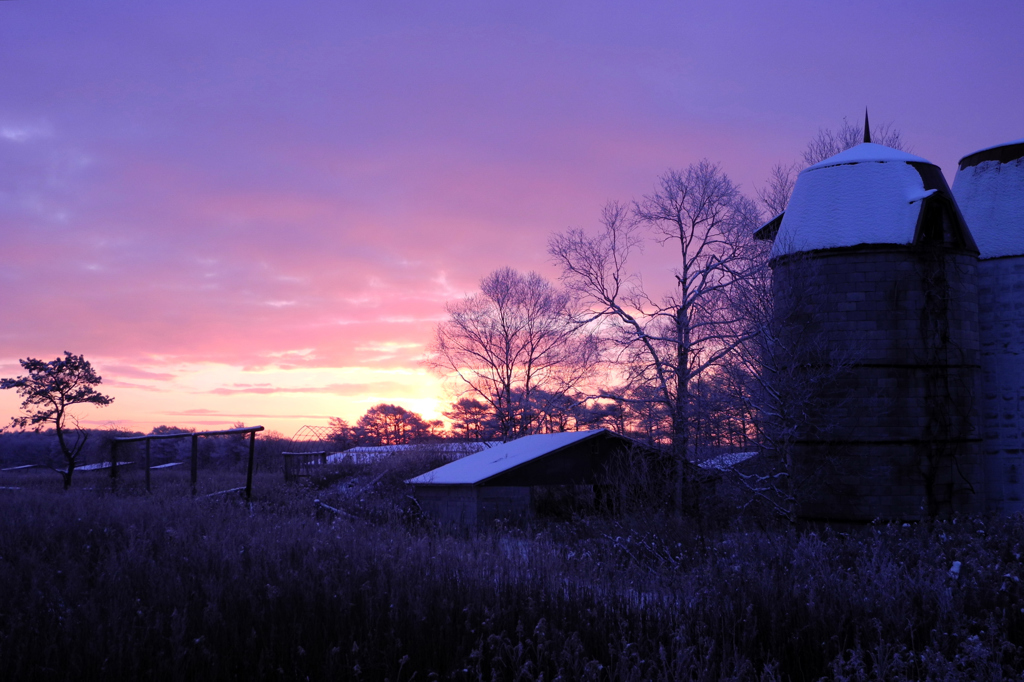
x=116 y=584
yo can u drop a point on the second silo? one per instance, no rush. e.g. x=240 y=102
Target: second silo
x=875 y=290
x=989 y=188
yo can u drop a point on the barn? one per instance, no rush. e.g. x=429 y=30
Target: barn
x=504 y=481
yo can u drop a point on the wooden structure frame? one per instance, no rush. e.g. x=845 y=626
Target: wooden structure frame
x=302 y=464
x=251 y=430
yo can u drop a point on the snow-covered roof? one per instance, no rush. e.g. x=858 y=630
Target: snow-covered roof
x=990 y=193
x=479 y=467
x=868 y=152
x=726 y=461
x=869 y=194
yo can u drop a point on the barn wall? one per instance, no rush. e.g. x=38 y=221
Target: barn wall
x=502 y=502
x=898 y=426
x=450 y=504
x=472 y=506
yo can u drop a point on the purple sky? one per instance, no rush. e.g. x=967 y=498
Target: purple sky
x=255 y=211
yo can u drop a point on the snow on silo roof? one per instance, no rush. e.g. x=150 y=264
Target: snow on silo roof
x=987 y=153
x=868 y=194
x=989 y=188
x=868 y=152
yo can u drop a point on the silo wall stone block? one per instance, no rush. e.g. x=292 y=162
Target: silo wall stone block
x=1001 y=319
x=903 y=413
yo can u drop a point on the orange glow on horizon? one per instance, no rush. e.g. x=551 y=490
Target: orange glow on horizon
x=211 y=395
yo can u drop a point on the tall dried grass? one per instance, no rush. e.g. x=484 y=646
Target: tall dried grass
x=125 y=586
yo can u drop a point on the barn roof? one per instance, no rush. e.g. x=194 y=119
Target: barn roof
x=478 y=467
x=989 y=188
x=868 y=194
x=727 y=461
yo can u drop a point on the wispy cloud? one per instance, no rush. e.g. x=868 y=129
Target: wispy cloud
x=25 y=132
x=137 y=373
x=116 y=383
x=247 y=415
x=328 y=389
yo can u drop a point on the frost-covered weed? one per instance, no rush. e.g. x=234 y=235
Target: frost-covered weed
x=164 y=587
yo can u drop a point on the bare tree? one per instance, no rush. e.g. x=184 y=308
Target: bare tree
x=787 y=372
x=828 y=142
x=512 y=344
x=777 y=189
x=342 y=435
x=471 y=419
x=665 y=340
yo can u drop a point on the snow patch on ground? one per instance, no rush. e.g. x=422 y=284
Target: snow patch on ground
x=100 y=465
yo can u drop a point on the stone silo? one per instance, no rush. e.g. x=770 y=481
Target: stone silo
x=876 y=305
x=989 y=188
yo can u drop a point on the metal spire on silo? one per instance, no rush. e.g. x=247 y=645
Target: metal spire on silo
x=867 y=128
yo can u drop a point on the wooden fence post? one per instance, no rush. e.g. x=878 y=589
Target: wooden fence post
x=248 y=476
x=195 y=461
x=113 y=465
x=148 y=441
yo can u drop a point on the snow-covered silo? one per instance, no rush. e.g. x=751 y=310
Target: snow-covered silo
x=989 y=188
x=875 y=291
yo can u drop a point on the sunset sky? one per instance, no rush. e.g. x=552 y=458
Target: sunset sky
x=255 y=211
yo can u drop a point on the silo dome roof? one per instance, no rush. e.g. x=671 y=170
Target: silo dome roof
x=990 y=190
x=868 y=194
x=1005 y=152
x=866 y=153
